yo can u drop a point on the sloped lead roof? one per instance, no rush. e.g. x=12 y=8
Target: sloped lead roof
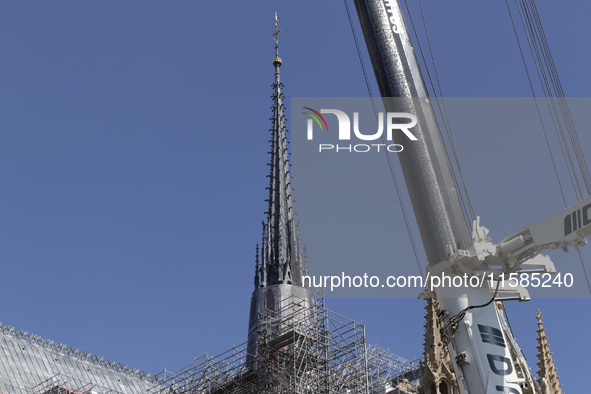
x=32 y=364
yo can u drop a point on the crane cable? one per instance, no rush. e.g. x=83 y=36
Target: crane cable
x=552 y=89
x=531 y=86
x=538 y=57
x=565 y=110
x=562 y=101
x=540 y=51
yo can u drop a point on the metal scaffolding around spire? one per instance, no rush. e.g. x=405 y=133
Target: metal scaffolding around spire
x=302 y=348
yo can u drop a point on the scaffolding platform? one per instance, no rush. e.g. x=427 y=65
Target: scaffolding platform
x=303 y=347
x=63 y=384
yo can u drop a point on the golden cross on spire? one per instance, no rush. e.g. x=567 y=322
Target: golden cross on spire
x=277 y=31
x=277 y=60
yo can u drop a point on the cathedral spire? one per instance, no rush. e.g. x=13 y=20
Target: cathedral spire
x=547 y=374
x=436 y=375
x=278 y=280
x=280 y=253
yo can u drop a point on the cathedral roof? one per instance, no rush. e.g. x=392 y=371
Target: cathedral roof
x=30 y=363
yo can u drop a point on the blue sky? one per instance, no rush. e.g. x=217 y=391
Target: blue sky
x=133 y=150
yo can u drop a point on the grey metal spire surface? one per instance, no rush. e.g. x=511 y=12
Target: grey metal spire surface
x=281 y=260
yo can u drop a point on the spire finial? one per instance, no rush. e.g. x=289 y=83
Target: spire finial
x=277 y=61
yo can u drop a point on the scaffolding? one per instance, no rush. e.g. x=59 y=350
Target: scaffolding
x=302 y=348
x=63 y=384
x=8 y=387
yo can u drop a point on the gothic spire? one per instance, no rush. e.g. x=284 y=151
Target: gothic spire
x=547 y=374
x=280 y=252
x=435 y=372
